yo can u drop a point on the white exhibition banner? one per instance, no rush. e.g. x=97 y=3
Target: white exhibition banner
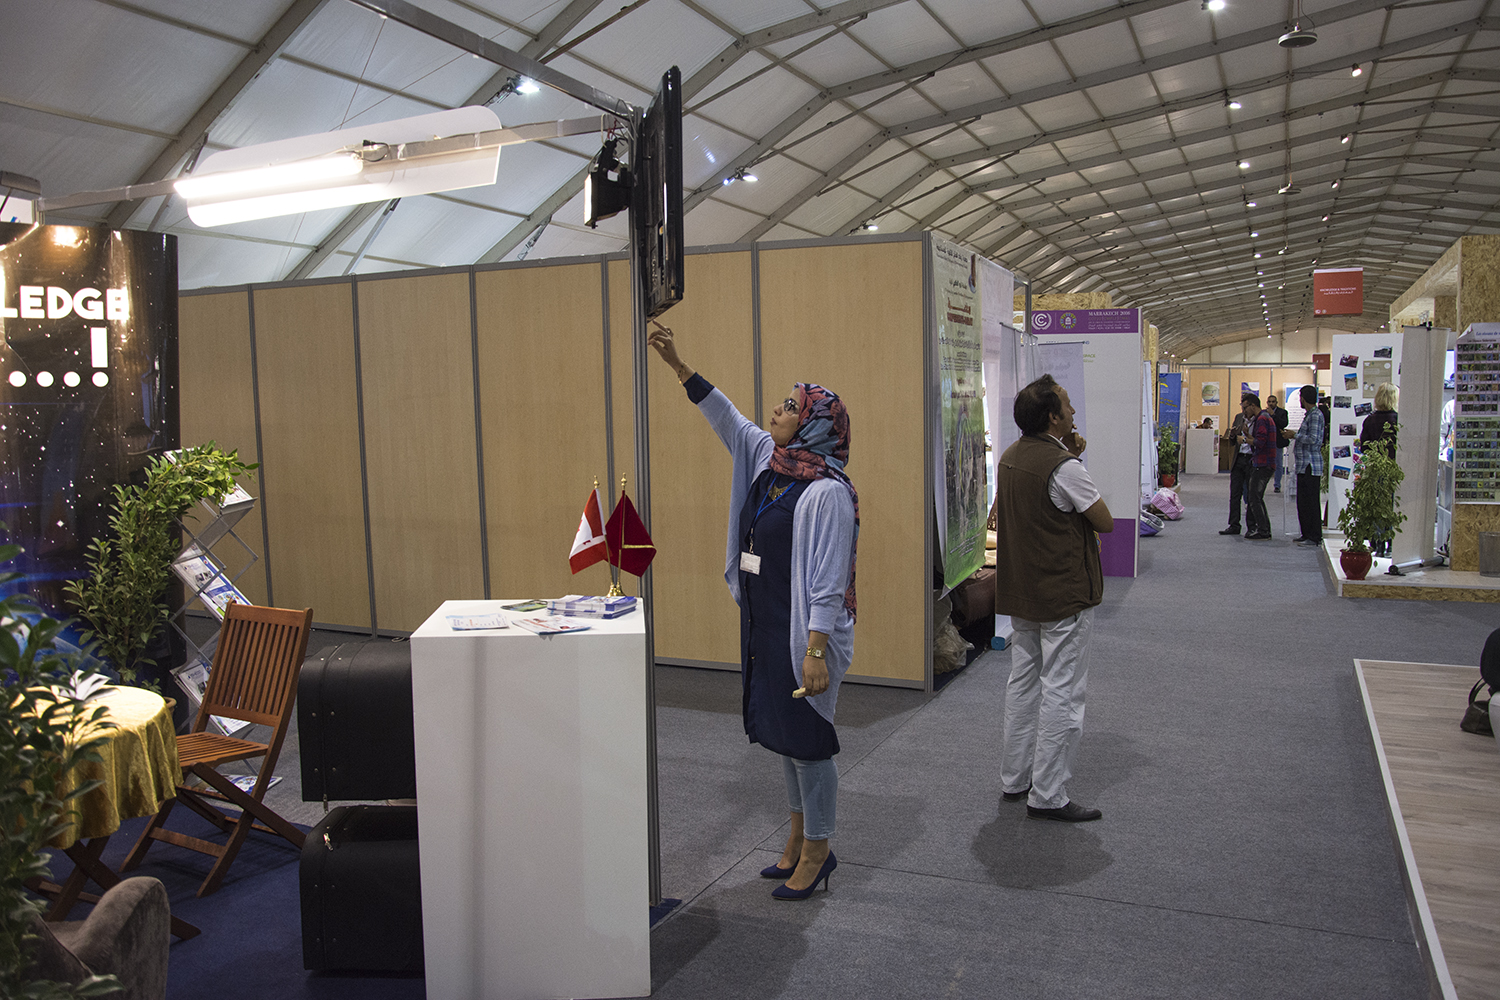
x=1361 y=362
x=959 y=477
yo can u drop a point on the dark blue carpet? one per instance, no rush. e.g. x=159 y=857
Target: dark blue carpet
x=251 y=945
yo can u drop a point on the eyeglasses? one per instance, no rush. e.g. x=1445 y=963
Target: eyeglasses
x=789 y=405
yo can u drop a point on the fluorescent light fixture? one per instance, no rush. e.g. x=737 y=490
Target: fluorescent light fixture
x=380 y=162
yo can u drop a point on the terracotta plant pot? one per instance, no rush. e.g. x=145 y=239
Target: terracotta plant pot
x=1168 y=480
x=1355 y=564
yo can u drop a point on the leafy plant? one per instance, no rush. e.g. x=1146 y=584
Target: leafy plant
x=1371 y=510
x=123 y=599
x=38 y=747
x=1166 y=450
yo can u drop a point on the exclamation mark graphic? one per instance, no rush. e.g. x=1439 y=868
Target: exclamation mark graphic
x=99 y=337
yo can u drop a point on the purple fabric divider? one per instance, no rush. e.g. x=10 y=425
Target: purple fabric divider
x=1117 y=549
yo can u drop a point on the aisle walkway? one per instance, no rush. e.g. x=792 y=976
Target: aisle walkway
x=1244 y=850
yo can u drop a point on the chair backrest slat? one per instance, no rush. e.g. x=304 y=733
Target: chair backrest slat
x=254 y=675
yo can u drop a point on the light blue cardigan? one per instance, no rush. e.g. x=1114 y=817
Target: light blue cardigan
x=822 y=544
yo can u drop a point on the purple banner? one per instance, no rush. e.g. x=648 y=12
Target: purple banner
x=1053 y=321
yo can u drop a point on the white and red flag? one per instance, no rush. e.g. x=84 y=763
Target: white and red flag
x=589 y=544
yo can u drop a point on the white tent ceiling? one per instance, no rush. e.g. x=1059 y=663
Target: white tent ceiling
x=1088 y=144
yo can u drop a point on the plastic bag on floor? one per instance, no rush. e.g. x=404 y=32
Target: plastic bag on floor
x=1150 y=523
x=1165 y=501
x=949 y=649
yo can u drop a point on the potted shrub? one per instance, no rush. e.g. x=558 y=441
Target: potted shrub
x=123 y=597
x=1370 y=511
x=1166 y=455
x=38 y=747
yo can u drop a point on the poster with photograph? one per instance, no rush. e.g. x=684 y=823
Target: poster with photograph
x=1375 y=371
x=1351 y=382
x=1363 y=409
x=1342 y=402
x=960 y=356
x=1476 y=426
x=1349 y=361
x=1341 y=472
x=1250 y=387
x=1348 y=430
x=1381 y=352
x=1210 y=394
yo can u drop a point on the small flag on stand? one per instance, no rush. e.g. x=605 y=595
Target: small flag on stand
x=630 y=546
x=589 y=543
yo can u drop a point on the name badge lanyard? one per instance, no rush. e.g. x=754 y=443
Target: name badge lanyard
x=768 y=501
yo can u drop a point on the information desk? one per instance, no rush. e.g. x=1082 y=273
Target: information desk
x=531 y=792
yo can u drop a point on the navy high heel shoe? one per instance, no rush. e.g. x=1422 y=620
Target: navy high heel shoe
x=776 y=871
x=783 y=892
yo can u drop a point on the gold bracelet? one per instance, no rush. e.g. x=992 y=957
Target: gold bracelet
x=816 y=654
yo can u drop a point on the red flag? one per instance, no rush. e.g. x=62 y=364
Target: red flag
x=589 y=544
x=630 y=547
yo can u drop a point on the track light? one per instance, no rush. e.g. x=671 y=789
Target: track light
x=741 y=174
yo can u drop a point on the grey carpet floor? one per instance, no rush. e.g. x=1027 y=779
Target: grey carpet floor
x=1244 y=850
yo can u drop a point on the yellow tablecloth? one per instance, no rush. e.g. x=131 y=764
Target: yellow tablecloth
x=139 y=769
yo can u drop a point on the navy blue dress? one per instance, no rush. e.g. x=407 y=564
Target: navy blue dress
x=773 y=718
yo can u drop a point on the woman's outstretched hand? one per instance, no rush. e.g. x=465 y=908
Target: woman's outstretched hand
x=665 y=344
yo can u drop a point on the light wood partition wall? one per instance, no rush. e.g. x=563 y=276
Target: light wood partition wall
x=309 y=418
x=696 y=619
x=417 y=377
x=850 y=318
x=214 y=350
x=542 y=402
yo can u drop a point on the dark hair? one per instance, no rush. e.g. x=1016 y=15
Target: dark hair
x=1037 y=404
x=1249 y=397
x=1309 y=394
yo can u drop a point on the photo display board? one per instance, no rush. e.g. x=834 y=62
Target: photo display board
x=1361 y=362
x=1476 y=412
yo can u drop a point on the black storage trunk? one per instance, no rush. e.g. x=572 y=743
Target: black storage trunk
x=354 y=723
x=362 y=891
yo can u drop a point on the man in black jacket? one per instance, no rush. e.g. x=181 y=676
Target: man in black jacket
x=1282 y=418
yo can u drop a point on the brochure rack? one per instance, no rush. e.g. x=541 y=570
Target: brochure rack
x=207 y=582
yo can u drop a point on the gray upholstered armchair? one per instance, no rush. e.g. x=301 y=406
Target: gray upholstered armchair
x=126 y=935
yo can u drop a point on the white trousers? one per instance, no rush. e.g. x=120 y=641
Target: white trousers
x=1049 y=671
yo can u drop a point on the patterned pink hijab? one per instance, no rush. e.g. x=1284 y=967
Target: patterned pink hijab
x=820 y=450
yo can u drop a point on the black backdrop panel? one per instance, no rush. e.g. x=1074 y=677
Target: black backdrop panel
x=88 y=386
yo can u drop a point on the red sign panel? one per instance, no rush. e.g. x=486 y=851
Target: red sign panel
x=1323 y=362
x=1338 y=291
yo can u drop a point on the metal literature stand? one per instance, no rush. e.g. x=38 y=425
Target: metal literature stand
x=206 y=580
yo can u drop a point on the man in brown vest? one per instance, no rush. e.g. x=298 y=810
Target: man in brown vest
x=1048 y=579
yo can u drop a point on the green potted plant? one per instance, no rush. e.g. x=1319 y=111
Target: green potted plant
x=1371 y=510
x=123 y=597
x=1166 y=455
x=38 y=747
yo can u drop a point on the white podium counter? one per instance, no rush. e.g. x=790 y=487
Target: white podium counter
x=1202 y=451
x=531 y=790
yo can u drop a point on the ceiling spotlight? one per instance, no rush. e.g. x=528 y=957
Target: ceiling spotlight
x=1334 y=185
x=1244 y=164
x=1290 y=187
x=1253 y=235
x=1261 y=285
x=1233 y=105
x=869 y=227
x=1325 y=218
x=1213 y=5
x=527 y=86
x=1356 y=71
x=1345 y=137
x=1249 y=204
x=1257 y=256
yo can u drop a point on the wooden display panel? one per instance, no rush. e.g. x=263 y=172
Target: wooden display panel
x=696 y=619
x=309 y=416
x=541 y=371
x=417 y=372
x=850 y=318
x=1196 y=410
x=218 y=404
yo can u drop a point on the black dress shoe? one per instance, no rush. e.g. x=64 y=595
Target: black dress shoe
x=1070 y=813
x=1016 y=796
x=1230 y=531
x=1259 y=536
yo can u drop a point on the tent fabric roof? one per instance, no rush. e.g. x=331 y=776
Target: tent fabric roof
x=1095 y=150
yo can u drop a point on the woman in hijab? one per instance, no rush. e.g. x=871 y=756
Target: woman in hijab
x=789 y=563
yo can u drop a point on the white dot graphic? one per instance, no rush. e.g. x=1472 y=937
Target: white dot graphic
x=18 y=379
x=101 y=379
x=44 y=379
x=71 y=379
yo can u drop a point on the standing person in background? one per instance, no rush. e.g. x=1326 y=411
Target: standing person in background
x=1048 y=579
x=1239 y=472
x=1263 y=447
x=1379 y=432
x=1307 y=464
x=1281 y=418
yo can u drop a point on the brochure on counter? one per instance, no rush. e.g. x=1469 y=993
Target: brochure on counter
x=564 y=614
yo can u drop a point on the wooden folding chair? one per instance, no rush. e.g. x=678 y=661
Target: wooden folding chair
x=254 y=678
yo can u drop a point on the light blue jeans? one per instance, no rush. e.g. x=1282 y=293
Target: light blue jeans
x=812 y=789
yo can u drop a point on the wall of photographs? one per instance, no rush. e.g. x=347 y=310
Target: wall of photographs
x=1476 y=431
x=1361 y=362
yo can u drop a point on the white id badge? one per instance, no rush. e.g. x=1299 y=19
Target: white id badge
x=750 y=563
